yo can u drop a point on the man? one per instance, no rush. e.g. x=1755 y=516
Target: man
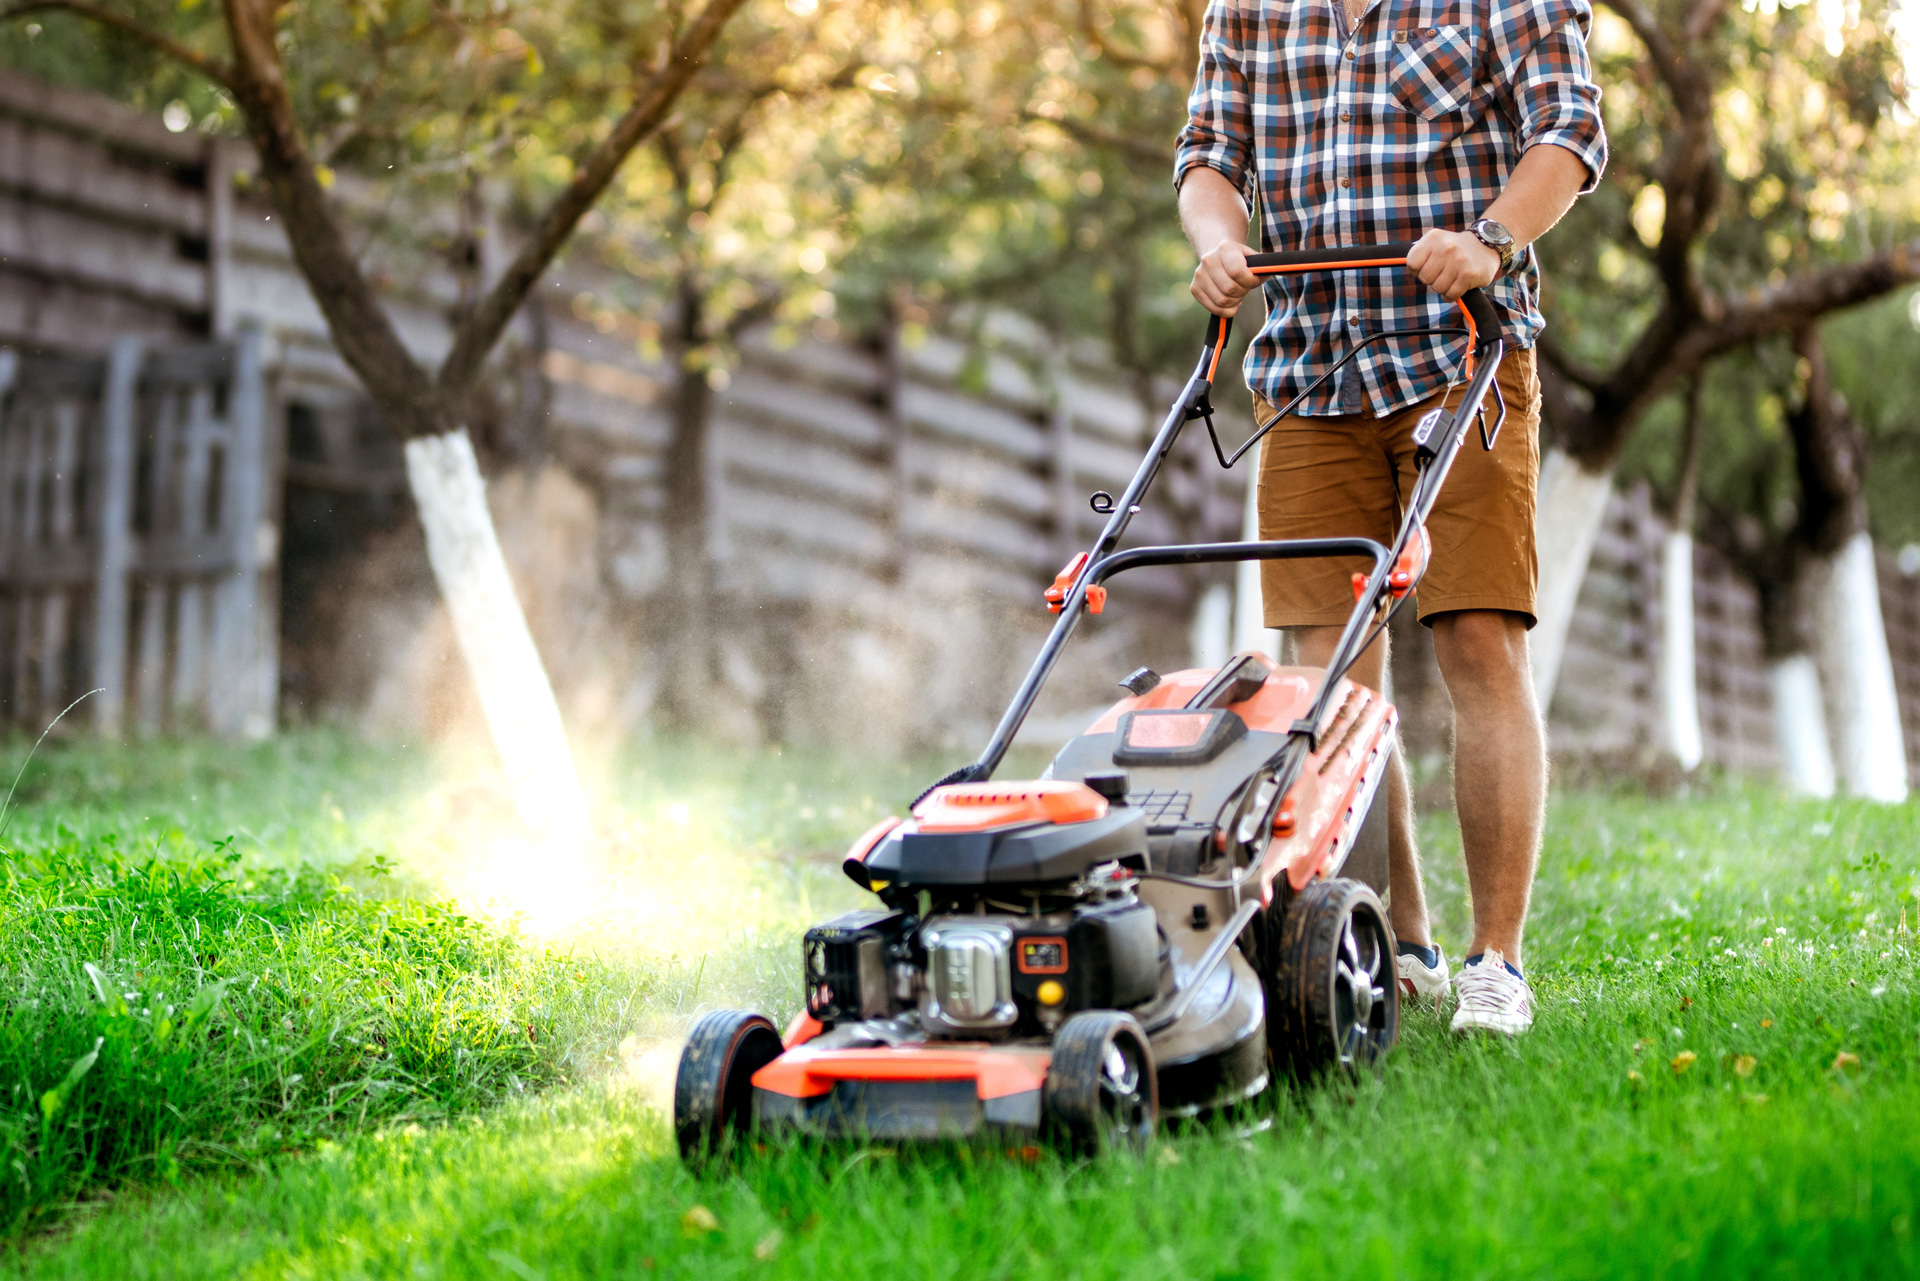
x=1469 y=127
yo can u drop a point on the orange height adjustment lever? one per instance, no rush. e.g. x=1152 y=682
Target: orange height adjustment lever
x=1063 y=584
x=1407 y=570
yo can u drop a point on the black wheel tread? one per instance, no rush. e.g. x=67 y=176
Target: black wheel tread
x=712 y=1098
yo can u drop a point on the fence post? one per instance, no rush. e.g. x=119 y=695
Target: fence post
x=240 y=686
x=219 y=186
x=115 y=533
x=1060 y=453
x=893 y=409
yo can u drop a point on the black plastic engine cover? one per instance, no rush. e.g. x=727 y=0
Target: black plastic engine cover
x=845 y=965
x=1036 y=852
x=1114 y=955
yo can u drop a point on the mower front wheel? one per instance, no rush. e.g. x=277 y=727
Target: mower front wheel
x=1333 y=997
x=713 y=1091
x=1102 y=1091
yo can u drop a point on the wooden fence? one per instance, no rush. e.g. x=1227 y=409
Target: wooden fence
x=882 y=513
x=136 y=564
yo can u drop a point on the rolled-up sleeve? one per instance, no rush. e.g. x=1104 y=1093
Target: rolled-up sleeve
x=1540 y=51
x=1219 y=130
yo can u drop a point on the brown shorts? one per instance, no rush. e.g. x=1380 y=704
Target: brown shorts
x=1345 y=477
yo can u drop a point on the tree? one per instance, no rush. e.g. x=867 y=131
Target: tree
x=290 y=70
x=1758 y=183
x=1789 y=507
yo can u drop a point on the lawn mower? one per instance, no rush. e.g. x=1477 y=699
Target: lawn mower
x=1188 y=901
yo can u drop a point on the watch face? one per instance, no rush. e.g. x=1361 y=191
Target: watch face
x=1492 y=233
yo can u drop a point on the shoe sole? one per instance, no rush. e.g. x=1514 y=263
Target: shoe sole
x=1495 y=1024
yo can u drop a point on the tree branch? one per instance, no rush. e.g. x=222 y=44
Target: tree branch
x=361 y=329
x=1552 y=353
x=651 y=106
x=214 y=70
x=1095 y=136
x=1119 y=57
x=1803 y=299
x=1675 y=346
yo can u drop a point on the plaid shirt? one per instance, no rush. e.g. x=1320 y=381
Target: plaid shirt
x=1411 y=122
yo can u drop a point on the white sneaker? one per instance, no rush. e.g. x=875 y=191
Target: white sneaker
x=1493 y=998
x=1418 y=979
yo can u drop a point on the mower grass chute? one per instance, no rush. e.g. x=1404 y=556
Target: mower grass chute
x=1188 y=901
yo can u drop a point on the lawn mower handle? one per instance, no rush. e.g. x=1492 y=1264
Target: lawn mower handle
x=1485 y=350
x=1483 y=323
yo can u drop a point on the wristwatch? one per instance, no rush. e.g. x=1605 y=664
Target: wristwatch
x=1496 y=237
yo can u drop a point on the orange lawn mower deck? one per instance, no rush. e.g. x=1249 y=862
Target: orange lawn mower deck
x=1187 y=902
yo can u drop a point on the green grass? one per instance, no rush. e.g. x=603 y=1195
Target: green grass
x=1724 y=1081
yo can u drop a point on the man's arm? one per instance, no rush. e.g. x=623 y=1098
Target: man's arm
x=1541 y=190
x=1215 y=220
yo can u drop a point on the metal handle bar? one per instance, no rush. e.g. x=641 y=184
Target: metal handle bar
x=1483 y=331
x=1222 y=553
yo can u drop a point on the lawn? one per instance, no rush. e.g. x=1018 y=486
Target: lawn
x=1723 y=1080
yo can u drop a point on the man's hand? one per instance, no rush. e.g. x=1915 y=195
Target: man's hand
x=1450 y=263
x=1222 y=280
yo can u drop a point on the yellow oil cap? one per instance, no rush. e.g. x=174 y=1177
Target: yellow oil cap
x=1051 y=993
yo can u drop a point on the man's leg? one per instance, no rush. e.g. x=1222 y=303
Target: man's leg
x=1499 y=768
x=1312 y=647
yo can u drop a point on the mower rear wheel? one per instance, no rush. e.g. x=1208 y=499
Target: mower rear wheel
x=1102 y=1091
x=713 y=1091
x=1333 y=998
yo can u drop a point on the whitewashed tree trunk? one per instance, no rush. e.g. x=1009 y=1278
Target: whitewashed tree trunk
x=1212 y=636
x=491 y=628
x=1849 y=640
x=1800 y=726
x=1679 y=703
x=1250 y=630
x=1572 y=503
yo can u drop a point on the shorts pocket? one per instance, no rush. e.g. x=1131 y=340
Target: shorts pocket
x=1433 y=69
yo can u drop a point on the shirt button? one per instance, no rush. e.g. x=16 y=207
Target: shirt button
x=1346 y=116
x=1346 y=182
x=1349 y=55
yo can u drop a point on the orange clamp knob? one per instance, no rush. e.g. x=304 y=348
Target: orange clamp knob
x=1411 y=565
x=1063 y=583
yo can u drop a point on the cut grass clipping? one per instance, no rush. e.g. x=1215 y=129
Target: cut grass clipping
x=168 y=1014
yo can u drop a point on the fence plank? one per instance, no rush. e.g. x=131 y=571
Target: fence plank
x=114 y=534
x=242 y=681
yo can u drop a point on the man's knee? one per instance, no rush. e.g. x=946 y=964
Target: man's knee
x=1483 y=649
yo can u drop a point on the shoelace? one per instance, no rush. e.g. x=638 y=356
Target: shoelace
x=1485 y=991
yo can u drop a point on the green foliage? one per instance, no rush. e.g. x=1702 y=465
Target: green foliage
x=175 y=1002
x=164 y=1016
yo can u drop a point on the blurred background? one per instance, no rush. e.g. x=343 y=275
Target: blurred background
x=785 y=446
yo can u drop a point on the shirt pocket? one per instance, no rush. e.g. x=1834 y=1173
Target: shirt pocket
x=1432 y=71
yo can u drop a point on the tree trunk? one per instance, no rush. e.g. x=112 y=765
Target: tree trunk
x=1679 y=699
x=1250 y=630
x=1837 y=592
x=1211 y=637
x=1800 y=726
x=492 y=633
x=683 y=631
x=1849 y=641
x=1572 y=503
x=1679 y=703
